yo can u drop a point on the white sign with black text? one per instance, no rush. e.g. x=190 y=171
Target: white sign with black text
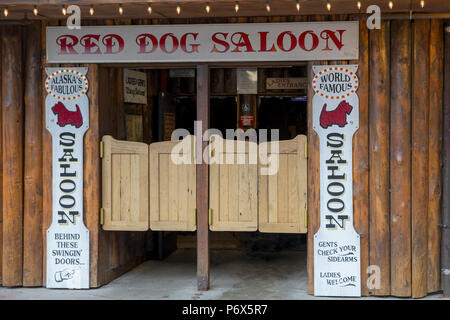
x=67 y=119
x=336 y=119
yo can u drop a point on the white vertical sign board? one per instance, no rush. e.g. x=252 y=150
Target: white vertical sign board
x=335 y=119
x=67 y=119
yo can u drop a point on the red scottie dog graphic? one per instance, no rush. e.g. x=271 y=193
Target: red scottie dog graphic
x=66 y=117
x=337 y=116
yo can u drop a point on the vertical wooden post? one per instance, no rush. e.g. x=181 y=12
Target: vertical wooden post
x=1 y=165
x=379 y=238
x=91 y=172
x=203 y=182
x=400 y=158
x=434 y=150
x=313 y=181
x=12 y=152
x=313 y=203
x=419 y=172
x=361 y=156
x=32 y=237
x=47 y=153
x=446 y=170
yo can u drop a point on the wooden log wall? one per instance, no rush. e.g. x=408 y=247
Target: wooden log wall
x=396 y=159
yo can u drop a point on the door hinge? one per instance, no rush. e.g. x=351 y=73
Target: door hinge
x=101 y=149
x=306 y=216
x=210 y=216
x=306 y=149
x=195 y=216
x=102 y=216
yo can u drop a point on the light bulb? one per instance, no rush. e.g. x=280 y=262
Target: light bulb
x=328 y=5
x=149 y=8
x=422 y=3
x=178 y=8
x=297 y=4
x=267 y=6
x=391 y=4
x=64 y=10
x=91 y=10
x=120 y=9
x=35 y=10
x=207 y=7
x=359 y=5
x=5 y=11
x=236 y=6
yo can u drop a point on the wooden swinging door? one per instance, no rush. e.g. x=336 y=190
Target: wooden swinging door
x=233 y=187
x=125 y=185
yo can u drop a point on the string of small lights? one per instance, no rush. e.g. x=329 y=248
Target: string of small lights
x=208 y=7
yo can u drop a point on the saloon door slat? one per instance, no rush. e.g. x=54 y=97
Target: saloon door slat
x=172 y=187
x=233 y=186
x=125 y=185
x=282 y=196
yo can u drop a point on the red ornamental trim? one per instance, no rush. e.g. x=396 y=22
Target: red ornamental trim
x=335 y=69
x=67 y=71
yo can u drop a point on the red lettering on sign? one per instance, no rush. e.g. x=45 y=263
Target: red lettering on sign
x=162 y=43
x=327 y=34
x=221 y=42
x=263 y=40
x=315 y=40
x=280 y=41
x=66 y=43
x=242 y=41
x=89 y=45
x=111 y=40
x=194 y=47
x=142 y=42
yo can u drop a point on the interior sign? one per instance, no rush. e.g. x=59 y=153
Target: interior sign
x=135 y=86
x=293 y=41
x=336 y=119
x=67 y=119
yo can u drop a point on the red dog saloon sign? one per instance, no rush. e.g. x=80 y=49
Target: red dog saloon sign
x=295 y=41
x=336 y=119
x=67 y=119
